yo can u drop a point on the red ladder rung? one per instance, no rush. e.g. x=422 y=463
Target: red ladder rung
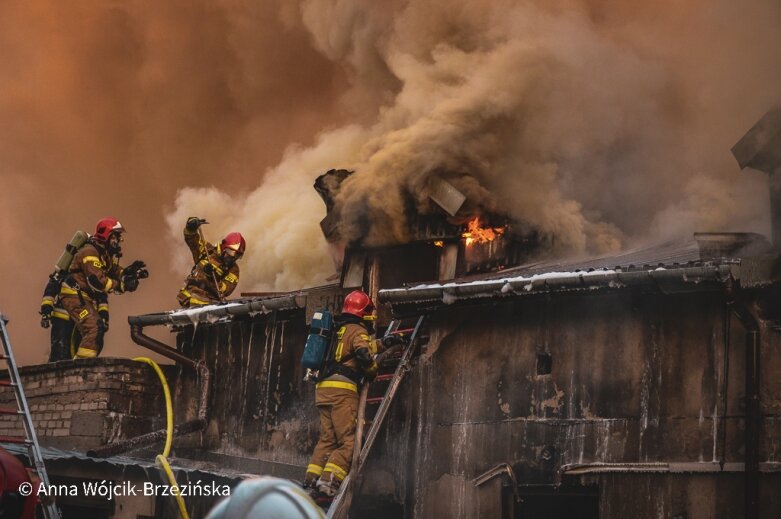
x=375 y=400
x=14 y=439
x=9 y=410
x=380 y=378
x=6 y=383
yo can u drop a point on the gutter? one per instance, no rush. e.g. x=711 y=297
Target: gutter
x=212 y=313
x=664 y=280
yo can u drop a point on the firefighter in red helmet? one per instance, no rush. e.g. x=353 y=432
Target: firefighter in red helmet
x=93 y=273
x=215 y=273
x=351 y=363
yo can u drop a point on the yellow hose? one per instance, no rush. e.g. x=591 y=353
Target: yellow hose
x=169 y=437
x=174 y=487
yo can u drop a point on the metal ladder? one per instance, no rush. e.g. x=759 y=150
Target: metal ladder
x=343 y=499
x=50 y=511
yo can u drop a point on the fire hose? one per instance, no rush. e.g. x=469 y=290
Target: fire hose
x=161 y=459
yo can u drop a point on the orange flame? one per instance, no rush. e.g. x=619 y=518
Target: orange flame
x=439 y=243
x=477 y=234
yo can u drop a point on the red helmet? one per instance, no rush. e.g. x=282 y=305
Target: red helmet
x=234 y=241
x=359 y=304
x=105 y=227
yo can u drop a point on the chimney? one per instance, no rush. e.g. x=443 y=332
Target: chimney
x=760 y=149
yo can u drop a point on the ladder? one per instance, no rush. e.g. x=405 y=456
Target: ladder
x=50 y=511
x=343 y=499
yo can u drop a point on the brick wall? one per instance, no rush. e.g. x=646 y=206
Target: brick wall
x=83 y=404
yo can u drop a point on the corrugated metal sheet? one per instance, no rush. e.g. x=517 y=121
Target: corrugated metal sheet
x=119 y=462
x=675 y=266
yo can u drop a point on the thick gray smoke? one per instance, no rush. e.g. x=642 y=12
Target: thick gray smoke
x=595 y=123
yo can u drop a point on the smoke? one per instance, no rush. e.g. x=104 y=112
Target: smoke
x=595 y=123
x=280 y=221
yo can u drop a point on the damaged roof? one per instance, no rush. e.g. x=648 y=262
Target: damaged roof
x=703 y=263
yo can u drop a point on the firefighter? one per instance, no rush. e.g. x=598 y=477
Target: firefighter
x=92 y=275
x=215 y=273
x=351 y=363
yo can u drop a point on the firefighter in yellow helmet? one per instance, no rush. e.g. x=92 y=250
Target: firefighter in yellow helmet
x=215 y=273
x=94 y=273
x=351 y=364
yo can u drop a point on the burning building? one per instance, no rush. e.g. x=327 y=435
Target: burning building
x=636 y=384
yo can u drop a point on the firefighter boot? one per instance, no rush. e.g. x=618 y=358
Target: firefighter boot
x=328 y=487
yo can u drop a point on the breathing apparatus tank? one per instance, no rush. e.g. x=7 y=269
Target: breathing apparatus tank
x=65 y=259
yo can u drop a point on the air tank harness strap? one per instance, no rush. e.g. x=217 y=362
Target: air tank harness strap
x=334 y=367
x=71 y=287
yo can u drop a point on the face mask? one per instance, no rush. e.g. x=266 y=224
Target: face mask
x=228 y=260
x=113 y=246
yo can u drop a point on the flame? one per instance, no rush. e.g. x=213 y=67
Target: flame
x=477 y=234
x=439 y=243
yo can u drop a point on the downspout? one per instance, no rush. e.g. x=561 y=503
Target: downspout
x=752 y=404
x=199 y=424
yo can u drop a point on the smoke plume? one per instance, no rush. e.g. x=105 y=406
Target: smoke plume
x=595 y=123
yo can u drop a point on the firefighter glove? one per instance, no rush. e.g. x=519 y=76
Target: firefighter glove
x=137 y=269
x=46 y=315
x=208 y=269
x=129 y=283
x=370 y=373
x=394 y=340
x=194 y=222
x=364 y=358
x=104 y=317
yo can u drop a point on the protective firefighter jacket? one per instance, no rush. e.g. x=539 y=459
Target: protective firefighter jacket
x=95 y=272
x=92 y=275
x=201 y=287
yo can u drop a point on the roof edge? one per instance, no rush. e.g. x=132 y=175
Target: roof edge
x=212 y=313
x=684 y=279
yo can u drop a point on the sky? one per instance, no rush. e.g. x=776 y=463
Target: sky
x=597 y=123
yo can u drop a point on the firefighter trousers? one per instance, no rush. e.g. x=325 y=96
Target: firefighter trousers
x=61 y=335
x=84 y=315
x=333 y=453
